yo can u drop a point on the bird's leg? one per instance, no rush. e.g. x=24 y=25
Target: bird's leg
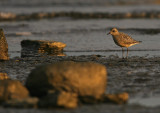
x=122 y=53
x=127 y=53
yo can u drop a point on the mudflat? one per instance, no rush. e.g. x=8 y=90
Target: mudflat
x=138 y=76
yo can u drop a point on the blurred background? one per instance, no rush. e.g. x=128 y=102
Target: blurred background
x=82 y=24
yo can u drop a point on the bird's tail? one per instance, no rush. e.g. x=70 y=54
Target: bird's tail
x=140 y=41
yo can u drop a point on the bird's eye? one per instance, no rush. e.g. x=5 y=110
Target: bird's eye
x=113 y=31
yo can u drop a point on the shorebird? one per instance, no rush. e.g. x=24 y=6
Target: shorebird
x=122 y=40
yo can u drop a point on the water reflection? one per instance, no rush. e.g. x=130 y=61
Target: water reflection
x=149 y=102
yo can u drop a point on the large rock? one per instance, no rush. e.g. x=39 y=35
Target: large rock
x=86 y=79
x=3 y=46
x=120 y=98
x=37 y=47
x=29 y=102
x=6 y=16
x=59 y=99
x=12 y=89
x=4 y=76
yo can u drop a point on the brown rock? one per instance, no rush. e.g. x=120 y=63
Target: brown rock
x=29 y=102
x=4 y=16
x=59 y=99
x=3 y=76
x=12 y=89
x=3 y=46
x=116 y=98
x=41 y=46
x=86 y=79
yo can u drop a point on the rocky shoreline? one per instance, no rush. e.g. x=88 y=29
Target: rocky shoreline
x=138 y=76
x=58 y=84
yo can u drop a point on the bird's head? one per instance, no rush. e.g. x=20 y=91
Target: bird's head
x=113 y=31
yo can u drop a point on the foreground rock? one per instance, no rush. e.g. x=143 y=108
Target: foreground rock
x=29 y=102
x=59 y=99
x=121 y=98
x=3 y=46
x=32 y=47
x=4 y=76
x=12 y=89
x=86 y=79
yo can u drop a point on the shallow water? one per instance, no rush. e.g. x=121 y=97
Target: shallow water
x=148 y=102
x=84 y=37
x=23 y=6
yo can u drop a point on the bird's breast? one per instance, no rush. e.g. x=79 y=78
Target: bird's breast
x=118 y=41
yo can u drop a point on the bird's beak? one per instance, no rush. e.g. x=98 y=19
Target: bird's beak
x=108 y=33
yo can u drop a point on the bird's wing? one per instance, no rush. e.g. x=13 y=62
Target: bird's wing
x=127 y=39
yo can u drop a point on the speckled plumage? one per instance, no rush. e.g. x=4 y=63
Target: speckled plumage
x=122 y=39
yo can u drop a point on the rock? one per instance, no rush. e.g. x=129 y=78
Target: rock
x=30 y=102
x=59 y=99
x=3 y=76
x=12 y=89
x=121 y=98
x=86 y=79
x=5 y=16
x=38 y=15
x=35 y=47
x=3 y=46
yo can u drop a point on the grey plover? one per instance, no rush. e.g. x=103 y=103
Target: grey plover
x=122 y=40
